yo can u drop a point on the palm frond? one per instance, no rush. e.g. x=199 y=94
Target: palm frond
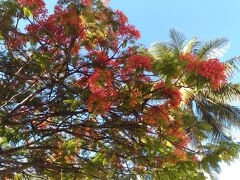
x=187 y=97
x=217 y=130
x=232 y=65
x=228 y=115
x=230 y=70
x=191 y=46
x=213 y=107
x=228 y=92
x=161 y=50
x=213 y=49
x=220 y=116
x=177 y=40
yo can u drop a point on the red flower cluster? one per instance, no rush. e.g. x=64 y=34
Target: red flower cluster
x=182 y=140
x=15 y=41
x=180 y=153
x=135 y=95
x=126 y=29
x=130 y=30
x=214 y=70
x=100 y=84
x=160 y=85
x=98 y=104
x=100 y=81
x=122 y=19
x=60 y=28
x=157 y=113
x=211 y=69
x=191 y=61
x=87 y=2
x=31 y=3
x=100 y=57
x=175 y=97
x=133 y=63
x=173 y=94
x=139 y=61
x=38 y=6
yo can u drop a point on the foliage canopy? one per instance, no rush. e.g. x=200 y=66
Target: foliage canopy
x=78 y=96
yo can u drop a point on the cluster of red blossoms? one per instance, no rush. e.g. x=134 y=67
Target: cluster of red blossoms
x=172 y=94
x=211 y=69
x=161 y=114
x=87 y=2
x=56 y=26
x=31 y=3
x=38 y=6
x=134 y=63
x=182 y=142
x=214 y=70
x=139 y=61
x=157 y=113
x=100 y=57
x=100 y=84
x=126 y=29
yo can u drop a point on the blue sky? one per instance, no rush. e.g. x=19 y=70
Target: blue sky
x=205 y=19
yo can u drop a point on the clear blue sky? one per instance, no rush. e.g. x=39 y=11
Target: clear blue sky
x=205 y=19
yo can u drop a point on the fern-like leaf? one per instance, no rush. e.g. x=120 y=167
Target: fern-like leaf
x=177 y=40
x=213 y=49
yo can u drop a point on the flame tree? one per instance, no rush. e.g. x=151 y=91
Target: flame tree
x=80 y=99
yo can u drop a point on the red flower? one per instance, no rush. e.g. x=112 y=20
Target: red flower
x=121 y=17
x=100 y=57
x=139 y=61
x=160 y=85
x=124 y=28
x=180 y=154
x=213 y=70
x=133 y=63
x=100 y=83
x=174 y=95
x=191 y=59
x=38 y=6
x=87 y=2
x=98 y=104
x=129 y=30
x=101 y=86
x=157 y=113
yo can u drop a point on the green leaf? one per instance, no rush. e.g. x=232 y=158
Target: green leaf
x=74 y=103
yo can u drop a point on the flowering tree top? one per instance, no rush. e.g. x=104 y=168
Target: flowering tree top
x=79 y=96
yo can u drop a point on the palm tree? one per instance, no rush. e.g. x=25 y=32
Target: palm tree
x=211 y=106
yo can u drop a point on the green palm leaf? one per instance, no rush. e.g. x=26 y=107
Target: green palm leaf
x=161 y=51
x=213 y=49
x=217 y=128
x=228 y=92
x=191 y=46
x=232 y=65
x=177 y=40
x=219 y=115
